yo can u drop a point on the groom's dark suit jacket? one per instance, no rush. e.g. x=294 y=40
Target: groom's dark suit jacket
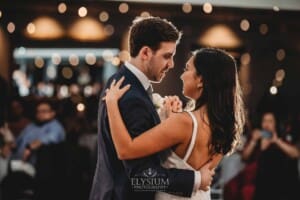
x=112 y=180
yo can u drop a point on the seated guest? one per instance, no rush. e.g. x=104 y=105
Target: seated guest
x=16 y=118
x=44 y=131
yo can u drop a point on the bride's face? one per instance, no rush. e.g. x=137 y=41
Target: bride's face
x=192 y=83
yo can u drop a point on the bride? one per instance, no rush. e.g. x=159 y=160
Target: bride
x=210 y=130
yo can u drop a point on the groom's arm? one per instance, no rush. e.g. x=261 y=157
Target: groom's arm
x=138 y=118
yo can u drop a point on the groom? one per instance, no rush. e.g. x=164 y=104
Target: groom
x=152 y=43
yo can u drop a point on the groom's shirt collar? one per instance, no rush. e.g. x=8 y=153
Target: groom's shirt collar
x=139 y=74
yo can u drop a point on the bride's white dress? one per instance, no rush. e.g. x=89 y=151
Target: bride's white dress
x=174 y=161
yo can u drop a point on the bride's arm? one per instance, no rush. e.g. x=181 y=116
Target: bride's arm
x=165 y=135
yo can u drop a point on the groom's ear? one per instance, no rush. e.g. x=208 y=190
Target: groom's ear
x=145 y=53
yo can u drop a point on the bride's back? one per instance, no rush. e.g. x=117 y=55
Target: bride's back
x=200 y=151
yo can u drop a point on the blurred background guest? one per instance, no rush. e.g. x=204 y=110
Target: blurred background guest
x=277 y=173
x=6 y=147
x=17 y=120
x=3 y=100
x=44 y=130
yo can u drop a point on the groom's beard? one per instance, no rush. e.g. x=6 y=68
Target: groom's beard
x=161 y=77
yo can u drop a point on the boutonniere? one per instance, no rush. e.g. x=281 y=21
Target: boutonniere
x=158 y=101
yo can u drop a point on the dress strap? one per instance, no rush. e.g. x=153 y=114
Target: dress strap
x=193 y=139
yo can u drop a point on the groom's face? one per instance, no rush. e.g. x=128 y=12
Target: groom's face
x=161 y=61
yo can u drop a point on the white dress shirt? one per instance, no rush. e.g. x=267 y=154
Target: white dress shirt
x=139 y=74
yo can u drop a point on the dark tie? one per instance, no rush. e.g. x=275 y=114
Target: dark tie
x=150 y=92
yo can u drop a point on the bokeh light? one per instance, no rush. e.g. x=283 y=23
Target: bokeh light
x=280 y=54
x=145 y=14
x=273 y=90
x=56 y=59
x=187 y=8
x=80 y=107
x=263 y=29
x=62 y=8
x=39 y=62
x=123 y=8
x=124 y=56
x=67 y=72
x=280 y=74
x=11 y=27
x=82 y=11
x=245 y=25
x=73 y=60
x=103 y=16
x=109 y=29
x=90 y=58
x=116 y=61
x=30 y=28
x=207 y=8
x=276 y=8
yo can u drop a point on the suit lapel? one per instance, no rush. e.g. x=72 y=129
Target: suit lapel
x=135 y=81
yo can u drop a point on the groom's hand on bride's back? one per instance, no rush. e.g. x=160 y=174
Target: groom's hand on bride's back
x=207 y=173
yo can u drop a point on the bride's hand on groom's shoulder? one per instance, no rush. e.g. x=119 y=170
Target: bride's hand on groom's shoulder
x=115 y=92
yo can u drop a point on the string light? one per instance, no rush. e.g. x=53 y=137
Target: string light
x=145 y=14
x=207 y=8
x=11 y=27
x=51 y=72
x=124 y=56
x=73 y=60
x=103 y=16
x=82 y=11
x=31 y=28
x=280 y=74
x=88 y=91
x=109 y=29
x=80 y=107
x=90 y=59
x=263 y=29
x=187 y=8
x=280 y=54
x=64 y=91
x=276 y=8
x=0 y=13
x=116 y=61
x=107 y=55
x=39 y=62
x=245 y=25
x=123 y=8
x=273 y=90
x=56 y=59
x=62 y=8
x=67 y=72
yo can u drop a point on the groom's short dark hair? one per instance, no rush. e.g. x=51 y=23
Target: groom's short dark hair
x=151 y=31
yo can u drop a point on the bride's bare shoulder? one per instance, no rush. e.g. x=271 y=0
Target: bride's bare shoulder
x=182 y=119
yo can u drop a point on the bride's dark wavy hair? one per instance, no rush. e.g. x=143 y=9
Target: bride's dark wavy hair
x=223 y=97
